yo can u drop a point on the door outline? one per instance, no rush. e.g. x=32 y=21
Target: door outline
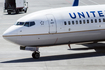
x=52 y=23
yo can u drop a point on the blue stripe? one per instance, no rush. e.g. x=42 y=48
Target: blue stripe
x=76 y=2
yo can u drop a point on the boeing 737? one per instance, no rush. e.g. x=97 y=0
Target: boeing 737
x=58 y=26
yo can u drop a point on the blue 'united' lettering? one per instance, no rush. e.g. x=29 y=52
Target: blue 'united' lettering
x=88 y=14
x=93 y=12
x=72 y=16
x=100 y=14
x=83 y=15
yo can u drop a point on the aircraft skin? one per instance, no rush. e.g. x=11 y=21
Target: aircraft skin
x=59 y=26
x=50 y=29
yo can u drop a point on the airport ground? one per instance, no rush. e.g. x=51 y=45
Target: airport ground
x=80 y=57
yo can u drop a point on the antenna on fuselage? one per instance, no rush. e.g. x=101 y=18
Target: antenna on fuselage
x=76 y=3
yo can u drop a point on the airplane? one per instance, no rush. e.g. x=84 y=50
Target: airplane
x=58 y=26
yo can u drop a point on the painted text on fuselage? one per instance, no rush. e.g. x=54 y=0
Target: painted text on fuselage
x=86 y=14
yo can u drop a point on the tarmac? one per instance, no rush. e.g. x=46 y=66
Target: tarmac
x=80 y=57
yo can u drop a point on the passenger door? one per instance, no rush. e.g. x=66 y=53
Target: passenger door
x=52 y=24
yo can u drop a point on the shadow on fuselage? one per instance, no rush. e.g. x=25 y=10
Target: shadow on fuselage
x=100 y=51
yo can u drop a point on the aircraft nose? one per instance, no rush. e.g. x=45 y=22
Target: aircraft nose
x=10 y=34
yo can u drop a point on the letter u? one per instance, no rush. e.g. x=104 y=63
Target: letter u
x=73 y=17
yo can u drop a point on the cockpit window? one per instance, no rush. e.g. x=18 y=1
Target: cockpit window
x=27 y=24
x=32 y=23
x=20 y=23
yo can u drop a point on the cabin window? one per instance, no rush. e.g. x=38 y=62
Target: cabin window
x=65 y=23
x=95 y=20
x=80 y=22
x=72 y=22
x=103 y=19
x=87 y=21
x=91 y=20
x=76 y=22
x=99 y=20
x=68 y=22
x=84 y=21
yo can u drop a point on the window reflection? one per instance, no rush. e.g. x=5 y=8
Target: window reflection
x=27 y=24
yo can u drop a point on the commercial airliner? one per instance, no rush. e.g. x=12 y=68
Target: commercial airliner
x=58 y=26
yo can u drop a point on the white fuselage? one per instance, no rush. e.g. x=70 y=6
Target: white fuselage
x=59 y=26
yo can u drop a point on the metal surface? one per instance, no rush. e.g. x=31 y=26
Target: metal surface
x=80 y=57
